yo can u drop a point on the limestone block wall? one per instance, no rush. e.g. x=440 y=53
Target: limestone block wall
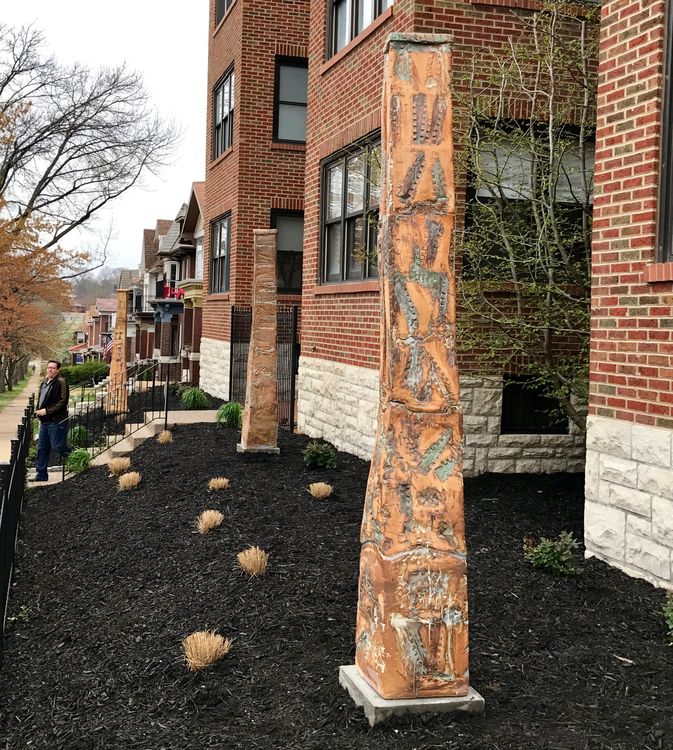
x=338 y=402
x=214 y=367
x=628 y=513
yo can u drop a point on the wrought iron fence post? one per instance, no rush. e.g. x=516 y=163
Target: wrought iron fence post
x=294 y=361
x=166 y=402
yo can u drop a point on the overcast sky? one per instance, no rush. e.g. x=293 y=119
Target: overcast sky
x=167 y=42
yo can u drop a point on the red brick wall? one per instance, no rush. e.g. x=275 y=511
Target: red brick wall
x=632 y=347
x=255 y=175
x=344 y=104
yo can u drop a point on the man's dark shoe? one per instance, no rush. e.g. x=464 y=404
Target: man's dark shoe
x=41 y=479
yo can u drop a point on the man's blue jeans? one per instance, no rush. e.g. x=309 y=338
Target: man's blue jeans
x=52 y=435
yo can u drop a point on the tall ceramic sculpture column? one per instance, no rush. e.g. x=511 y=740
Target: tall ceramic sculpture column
x=260 y=416
x=412 y=639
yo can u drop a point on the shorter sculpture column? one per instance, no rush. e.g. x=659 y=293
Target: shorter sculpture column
x=260 y=415
x=116 y=402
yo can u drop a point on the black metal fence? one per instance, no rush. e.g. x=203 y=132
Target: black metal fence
x=12 y=488
x=287 y=348
x=101 y=417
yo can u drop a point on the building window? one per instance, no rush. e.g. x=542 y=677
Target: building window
x=526 y=411
x=665 y=233
x=289 y=249
x=222 y=8
x=350 y=17
x=198 y=261
x=223 y=106
x=220 y=253
x=350 y=214
x=290 y=100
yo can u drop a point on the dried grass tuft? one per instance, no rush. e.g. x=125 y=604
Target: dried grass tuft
x=165 y=437
x=129 y=480
x=203 y=648
x=253 y=561
x=320 y=490
x=208 y=520
x=218 y=483
x=118 y=466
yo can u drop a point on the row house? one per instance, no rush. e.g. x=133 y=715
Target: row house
x=97 y=329
x=629 y=468
x=294 y=92
x=256 y=143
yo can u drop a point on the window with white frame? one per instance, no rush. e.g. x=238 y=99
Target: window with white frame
x=350 y=213
x=198 y=260
x=290 y=100
x=223 y=114
x=350 y=17
x=220 y=251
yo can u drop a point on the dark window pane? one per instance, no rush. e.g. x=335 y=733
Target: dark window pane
x=290 y=233
x=356 y=167
x=334 y=188
x=356 y=247
x=292 y=122
x=526 y=410
x=375 y=177
x=334 y=247
x=372 y=249
x=341 y=21
x=293 y=84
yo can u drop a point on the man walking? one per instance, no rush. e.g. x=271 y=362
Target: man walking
x=52 y=411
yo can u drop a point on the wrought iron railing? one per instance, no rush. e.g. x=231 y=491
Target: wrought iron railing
x=12 y=489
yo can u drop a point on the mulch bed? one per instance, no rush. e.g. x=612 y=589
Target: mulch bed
x=108 y=583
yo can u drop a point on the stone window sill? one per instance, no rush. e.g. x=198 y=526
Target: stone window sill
x=219 y=296
x=655 y=272
x=387 y=13
x=220 y=158
x=349 y=287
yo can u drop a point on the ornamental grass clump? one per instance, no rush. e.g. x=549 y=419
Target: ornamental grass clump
x=117 y=466
x=318 y=455
x=320 y=490
x=78 y=461
x=230 y=415
x=203 y=648
x=218 y=483
x=555 y=555
x=165 y=437
x=253 y=561
x=208 y=520
x=194 y=398
x=129 y=480
x=667 y=609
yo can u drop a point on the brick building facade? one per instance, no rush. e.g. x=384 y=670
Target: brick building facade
x=629 y=470
x=255 y=150
x=338 y=371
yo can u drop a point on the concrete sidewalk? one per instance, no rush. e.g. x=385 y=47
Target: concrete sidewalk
x=11 y=415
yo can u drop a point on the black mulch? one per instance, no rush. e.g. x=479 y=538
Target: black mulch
x=108 y=583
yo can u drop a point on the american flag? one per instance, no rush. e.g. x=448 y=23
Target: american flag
x=108 y=348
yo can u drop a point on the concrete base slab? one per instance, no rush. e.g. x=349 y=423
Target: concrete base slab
x=379 y=709
x=269 y=449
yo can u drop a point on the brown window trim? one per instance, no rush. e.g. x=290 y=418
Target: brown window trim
x=665 y=215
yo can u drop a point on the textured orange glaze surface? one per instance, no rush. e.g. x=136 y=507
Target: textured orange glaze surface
x=116 y=401
x=260 y=417
x=412 y=624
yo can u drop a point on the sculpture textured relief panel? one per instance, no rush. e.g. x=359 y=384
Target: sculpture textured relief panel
x=412 y=625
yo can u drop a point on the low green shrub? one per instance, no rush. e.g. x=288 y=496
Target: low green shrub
x=230 y=415
x=555 y=555
x=177 y=389
x=667 y=609
x=78 y=436
x=86 y=373
x=319 y=455
x=78 y=460
x=194 y=398
x=146 y=374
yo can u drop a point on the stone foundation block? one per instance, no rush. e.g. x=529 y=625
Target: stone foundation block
x=605 y=530
x=649 y=556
